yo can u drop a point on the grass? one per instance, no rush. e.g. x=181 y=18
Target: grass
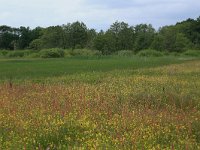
x=38 y=69
x=105 y=103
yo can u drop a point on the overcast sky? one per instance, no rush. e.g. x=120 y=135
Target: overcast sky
x=98 y=14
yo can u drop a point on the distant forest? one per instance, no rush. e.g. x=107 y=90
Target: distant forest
x=120 y=36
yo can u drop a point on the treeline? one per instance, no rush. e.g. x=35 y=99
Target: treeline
x=120 y=36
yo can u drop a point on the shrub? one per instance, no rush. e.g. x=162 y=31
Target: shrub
x=52 y=53
x=85 y=52
x=78 y=46
x=166 y=53
x=124 y=53
x=175 y=54
x=67 y=53
x=20 y=53
x=192 y=53
x=149 y=53
x=34 y=55
x=15 y=54
x=3 y=52
x=36 y=44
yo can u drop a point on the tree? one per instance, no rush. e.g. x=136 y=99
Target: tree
x=120 y=36
x=91 y=37
x=24 y=38
x=181 y=43
x=78 y=35
x=100 y=41
x=123 y=35
x=36 y=44
x=144 y=36
x=52 y=37
x=168 y=35
x=191 y=30
x=67 y=43
x=8 y=37
x=157 y=43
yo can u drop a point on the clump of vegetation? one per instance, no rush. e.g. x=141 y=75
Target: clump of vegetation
x=175 y=54
x=193 y=53
x=19 y=53
x=85 y=52
x=3 y=52
x=150 y=53
x=52 y=53
x=124 y=53
x=15 y=54
x=34 y=55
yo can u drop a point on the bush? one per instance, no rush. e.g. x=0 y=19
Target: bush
x=34 y=55
x=149 y=53
x=192 y=53
x=19 y=53
x=36 y=44
x=175 y=54
x=67 y=53
x=85 y=52
x=15 y=54
x=166 y=53
x=52 y=53
x=3 y=52
x=124 y=53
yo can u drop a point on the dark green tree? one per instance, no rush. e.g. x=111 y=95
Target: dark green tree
x=67 y=42
x=24 y=38
x=181 y=43
x=91 y=37
x=8 y=37
x=157 y=43
x=144 y=36
x=52 y=37
x=123 y=35
x=168 y=35
x=78 y=35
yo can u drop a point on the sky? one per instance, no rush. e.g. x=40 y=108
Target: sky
x=97 y=14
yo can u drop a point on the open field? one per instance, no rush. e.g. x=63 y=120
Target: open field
x=40 y=69
x=105 y=103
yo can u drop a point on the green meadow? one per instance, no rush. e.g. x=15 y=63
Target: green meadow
x=105 y=102
x=39 y=69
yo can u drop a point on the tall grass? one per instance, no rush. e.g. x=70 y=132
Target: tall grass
x=38 y=69
x=193 y=53
x=151 y=107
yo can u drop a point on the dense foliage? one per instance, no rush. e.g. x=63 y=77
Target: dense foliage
x=120 y=36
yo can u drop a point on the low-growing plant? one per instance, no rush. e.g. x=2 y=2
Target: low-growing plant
x=166 y=53
x=34 y=55
x=196 y=130
x=52 y=53
x=124 y=53
x=3 y=52
x=175 y=54
x=67 y=52
x=192 y=53
x=105 y=105
x=15 y=54
x=150 y=53
x=85 y=52
x=19 y=53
